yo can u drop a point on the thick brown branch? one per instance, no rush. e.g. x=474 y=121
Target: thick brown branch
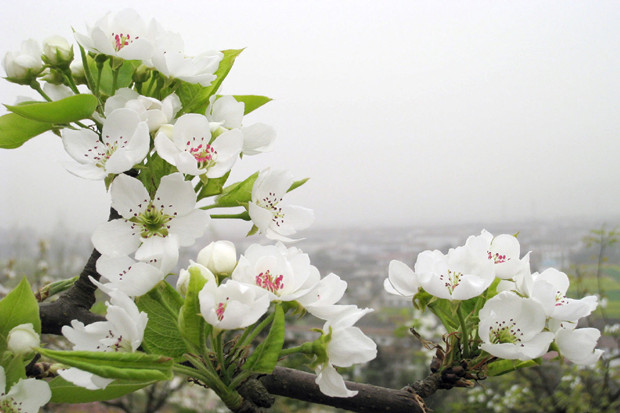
x=370 y=399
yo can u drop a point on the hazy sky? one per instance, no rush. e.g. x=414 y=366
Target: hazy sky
x=401 y=112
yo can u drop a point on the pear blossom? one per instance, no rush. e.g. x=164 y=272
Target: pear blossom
x=227 y=112
x=284 y=273
x=196 y=268
x=191 y=149
x=169 y=58
x=504 y=251
x=23 y=339
x=513 y=327
x=150 y=110
x=220 y=257
x=401 y=280
x=549 y=289
x=232 y=305
x=124 y=142
x=152 y=228
x=321 y=300
x=25 y=396
x=134 y=278
x=122 y=331
x=123 y=34
x=346 y=345
x=457 y=275
x=578 y=344
x=23 y=66
x=272 y=219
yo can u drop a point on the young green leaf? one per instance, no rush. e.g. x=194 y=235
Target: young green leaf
x=252 y=102
x=297 y=184
x=113 y=365
x=214 y=186
x=191 y=323
x=66 y=392
x=238 y=193
x=499 y=367
x=266 y=355
x=162 y=336
x=67 y=110
x=15 y=130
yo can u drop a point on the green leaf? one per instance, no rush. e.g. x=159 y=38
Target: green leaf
x=124 y=78
x=499 y=367
x=162 y=336
x=446 y=311
x=195 y=98
x=191 y=323
x=151 y=175
x=214 y=186
x=18 y=307
x=113 y=365
x=252 y=102
x=66 y=392
x=238 y=193
x=265 y=357
x=297 y=184
x=14 y=368
x=15 y=130
x=67 y=110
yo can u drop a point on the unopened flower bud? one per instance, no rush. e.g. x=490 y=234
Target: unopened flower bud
x=57 y=51
x=141 y=74
x=220 y=257
x=22 y=67
x=198 y=271
x=77 y=72
x=22 y=339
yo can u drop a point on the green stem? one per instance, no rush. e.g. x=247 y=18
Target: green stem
x=87 y=72
x=211 y=206
x=464 y=331
x=36 y=86
x=305 y=348
x=243 y=215
x=98 y=83
x=69 y=78
x=114 y=79
x=260 y=327
x=218 y=347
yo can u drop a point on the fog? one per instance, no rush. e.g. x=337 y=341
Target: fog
x=400 y=112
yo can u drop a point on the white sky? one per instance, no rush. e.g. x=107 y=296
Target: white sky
x=401 y=112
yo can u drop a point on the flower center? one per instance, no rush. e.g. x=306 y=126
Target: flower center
x=267 y=281
x=100 y=154
x=221 y=309
x=271 y=202
x=121 y=40
x=152 y=222
x=497 y=257
x=205 y=155
x=560 y=299
x=505 y=332
x=8 y=405
x=452 y=280
x=113 y=343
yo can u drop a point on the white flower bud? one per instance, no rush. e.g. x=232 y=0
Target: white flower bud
x=57 y=51
x=77 y=71
x=220 y=257
x=22 y=339
x=25 y=65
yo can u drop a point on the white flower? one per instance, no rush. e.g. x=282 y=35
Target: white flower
x=273 y=220
x=321 y=300
x=578 y=345
x=512 y=327
x=220 y=257
x=549 y=289
x=153 y=228
x=284 y=273
x=184 y=276
x=123 y=35
x=459 y=275
x=25 y=65
x=152 y=111
x=401 y=280
x=25 y=396
x=347 y=345
x=132 y=277
x=23 y=339
x=503 y=250
x=124 y=143
x=232 y=305
x=192 y=151
x=169 y=58
x=57 y=51
x=228 y=112
x=122 y=331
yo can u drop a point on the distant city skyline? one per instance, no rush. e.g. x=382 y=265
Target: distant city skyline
x=400 y=112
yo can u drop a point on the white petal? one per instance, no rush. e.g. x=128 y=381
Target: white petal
x=331 y=383
x=116 y=238
x=84 y=379
x=129 y=196
x=175 y=195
